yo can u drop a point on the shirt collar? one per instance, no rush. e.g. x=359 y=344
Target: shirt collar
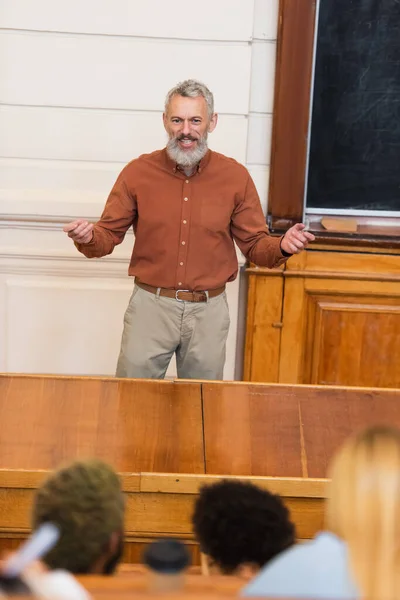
x=172 y=166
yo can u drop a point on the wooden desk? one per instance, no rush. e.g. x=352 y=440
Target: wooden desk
x=168 y=438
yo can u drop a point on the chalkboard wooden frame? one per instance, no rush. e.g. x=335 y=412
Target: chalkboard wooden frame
x=293 y=76
x=291 y=112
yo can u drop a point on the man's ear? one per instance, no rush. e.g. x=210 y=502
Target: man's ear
x=109 y=551
x=164 y=118
x=114 y=542
x=213 y=123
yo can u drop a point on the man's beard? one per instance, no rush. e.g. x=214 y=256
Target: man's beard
x=187 y=158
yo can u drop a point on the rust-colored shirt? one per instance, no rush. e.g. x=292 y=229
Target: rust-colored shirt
x=185 y=226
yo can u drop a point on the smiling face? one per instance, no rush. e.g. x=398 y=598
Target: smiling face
x=188 y=123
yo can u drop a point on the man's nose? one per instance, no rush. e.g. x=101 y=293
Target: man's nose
x=186 y=128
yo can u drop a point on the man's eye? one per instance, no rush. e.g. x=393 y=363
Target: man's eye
x=176 y=120
x=196 y=121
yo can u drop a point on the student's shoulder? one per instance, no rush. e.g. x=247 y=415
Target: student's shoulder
x=301 y=561
x=294 y=560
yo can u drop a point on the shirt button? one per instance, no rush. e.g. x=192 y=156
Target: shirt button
x=187 y=181
x=184 y=221
x=183 y=243
x=179 y=282
x=186 y=199
x=181 y=263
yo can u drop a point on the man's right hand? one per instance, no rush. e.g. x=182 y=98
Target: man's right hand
x=79 y=231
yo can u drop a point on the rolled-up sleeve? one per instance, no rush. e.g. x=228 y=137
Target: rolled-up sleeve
x=250 y=230
x=118 y=215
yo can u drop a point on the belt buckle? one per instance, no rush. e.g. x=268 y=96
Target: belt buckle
x=177 y=292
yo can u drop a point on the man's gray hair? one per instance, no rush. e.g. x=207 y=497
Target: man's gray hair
x=191 y=88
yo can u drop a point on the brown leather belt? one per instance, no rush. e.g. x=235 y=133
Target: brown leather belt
x=182 y=295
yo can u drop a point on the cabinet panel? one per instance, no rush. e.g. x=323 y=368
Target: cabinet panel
x=353 y=341
x=264 y=326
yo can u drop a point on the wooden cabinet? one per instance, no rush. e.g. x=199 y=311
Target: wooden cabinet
x=329 y=318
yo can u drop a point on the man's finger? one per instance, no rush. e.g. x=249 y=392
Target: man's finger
x=292 y=247
x=86 y=233
x=296 y=242
x=296 y=235
x=71 y=226
x=88 y=228
x=81 y=227
x=82 y=233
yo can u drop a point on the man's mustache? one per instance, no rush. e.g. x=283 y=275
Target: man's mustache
x=186 y=137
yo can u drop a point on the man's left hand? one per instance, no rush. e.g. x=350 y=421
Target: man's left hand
x=296 y=239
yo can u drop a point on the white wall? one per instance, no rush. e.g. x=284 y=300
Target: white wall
x=82 y=85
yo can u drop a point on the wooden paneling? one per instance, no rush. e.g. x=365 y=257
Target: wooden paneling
x=341 y=332
x=345 y=263
x=329 y=415
x=251 y=430
x=221 y=428
x=135 y=546
x=340 y=320
x=308 y=516
x=290 y=431
x=344 y=349
x=190 y=484
x=165 y=513
x=338 y=332
x=263 y=334
x=292 y=341
x=134 y=425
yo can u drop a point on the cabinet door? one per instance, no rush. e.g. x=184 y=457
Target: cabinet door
x=341 y=332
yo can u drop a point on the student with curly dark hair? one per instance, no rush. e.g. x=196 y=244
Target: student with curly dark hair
x=84 y=500
x=357 y=556
x=240 y=526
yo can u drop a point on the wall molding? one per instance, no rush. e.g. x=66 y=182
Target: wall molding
x=34 y=265
x=39 y=223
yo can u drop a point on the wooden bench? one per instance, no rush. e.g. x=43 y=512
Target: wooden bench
x=157 y=505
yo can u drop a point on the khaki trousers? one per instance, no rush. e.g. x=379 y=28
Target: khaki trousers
x=155 y=327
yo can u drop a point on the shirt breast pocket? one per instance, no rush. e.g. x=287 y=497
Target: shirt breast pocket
x=215 y=216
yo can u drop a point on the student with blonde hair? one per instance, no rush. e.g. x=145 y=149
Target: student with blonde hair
x=364 y=509
x=358 y=555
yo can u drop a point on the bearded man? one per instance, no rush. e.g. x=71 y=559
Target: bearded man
x=187 y=205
